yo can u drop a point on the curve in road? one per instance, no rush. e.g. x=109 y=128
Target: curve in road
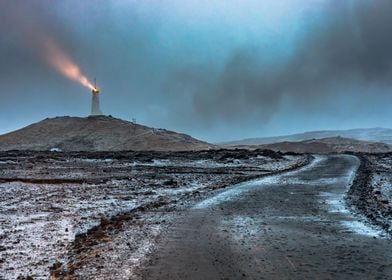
x=289 y=226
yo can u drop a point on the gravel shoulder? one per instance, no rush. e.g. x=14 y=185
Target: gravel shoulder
x=371 y=192
x=295 y=225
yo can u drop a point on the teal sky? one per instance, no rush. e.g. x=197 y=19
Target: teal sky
x=217 y=70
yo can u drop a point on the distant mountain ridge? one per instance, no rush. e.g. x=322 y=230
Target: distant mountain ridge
x=96 y=133
x=383 y=135
x=327 y=146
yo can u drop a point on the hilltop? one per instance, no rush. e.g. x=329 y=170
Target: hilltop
x=96 y=133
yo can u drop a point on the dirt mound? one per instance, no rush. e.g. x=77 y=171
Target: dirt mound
x=371 y=191
x=98 y=133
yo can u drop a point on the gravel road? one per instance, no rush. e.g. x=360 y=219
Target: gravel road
x=290 y=226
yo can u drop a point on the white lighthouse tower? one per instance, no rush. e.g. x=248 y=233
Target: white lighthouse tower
x=95 y=108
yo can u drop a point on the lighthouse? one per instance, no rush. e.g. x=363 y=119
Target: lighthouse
x=95 y=108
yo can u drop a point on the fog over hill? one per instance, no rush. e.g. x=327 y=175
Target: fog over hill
x=98 y=133
x=383 y=135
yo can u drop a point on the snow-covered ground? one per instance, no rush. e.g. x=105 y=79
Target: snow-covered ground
x=48 y=202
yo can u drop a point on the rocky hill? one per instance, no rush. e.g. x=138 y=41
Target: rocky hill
x=383 y=135
x=97 y=133
x=326 y=145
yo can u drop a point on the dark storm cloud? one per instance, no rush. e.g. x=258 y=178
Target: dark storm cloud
x=352 y=46
x=201 y=68
x=25 y=26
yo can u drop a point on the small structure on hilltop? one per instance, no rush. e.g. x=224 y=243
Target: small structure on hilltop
x=95 y=107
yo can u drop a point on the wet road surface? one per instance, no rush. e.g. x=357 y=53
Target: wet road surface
x=290 y=226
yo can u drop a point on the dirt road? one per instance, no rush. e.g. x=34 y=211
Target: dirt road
x=290 y=226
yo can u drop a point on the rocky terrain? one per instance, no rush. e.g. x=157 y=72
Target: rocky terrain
x=95 y=215
x=371 y=192
x=294 y=225
x=383 y=135
x=326 y=146
x=96 y=133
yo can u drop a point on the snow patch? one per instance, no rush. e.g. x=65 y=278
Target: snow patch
x=359 y=227
x=235 y=191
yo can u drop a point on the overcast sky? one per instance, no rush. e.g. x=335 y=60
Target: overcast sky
x=217 y=70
